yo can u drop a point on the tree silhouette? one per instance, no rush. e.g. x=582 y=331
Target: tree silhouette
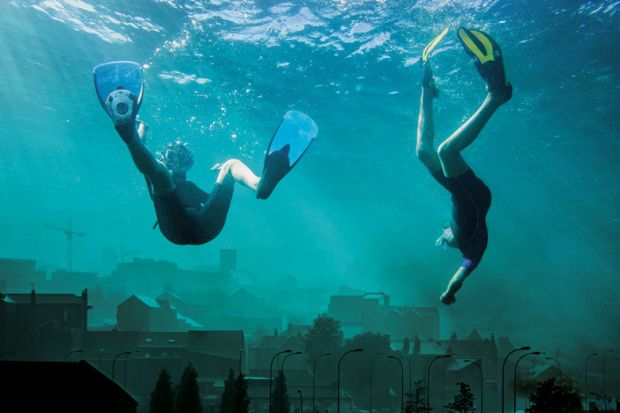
x=416 y=401
x=162 y=397
x=552 y=398
x=279 y=397
x=188 y=395
x=463 y=400
x=241 y=401
x=386 y=373
x=325 y=336
x=226 y=402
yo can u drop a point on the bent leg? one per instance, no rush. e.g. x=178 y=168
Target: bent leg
x=233 y=170
x=158 y=174
x=212 y=216
x=449 y=151
x=425 y=149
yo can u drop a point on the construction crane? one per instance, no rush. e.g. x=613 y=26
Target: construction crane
x=69 y=233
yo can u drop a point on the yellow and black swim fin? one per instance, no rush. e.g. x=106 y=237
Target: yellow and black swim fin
x=487 y=57
x=427 y=75
x=428 y=49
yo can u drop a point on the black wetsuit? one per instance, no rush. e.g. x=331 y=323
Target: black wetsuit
x=471 y=200
x=189 y=215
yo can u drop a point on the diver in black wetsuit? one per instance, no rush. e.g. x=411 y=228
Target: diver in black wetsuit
x=185 y=213
x=471 y=198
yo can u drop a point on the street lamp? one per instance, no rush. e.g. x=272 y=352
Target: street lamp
x=559 y=365
x=409 y=365
x=271 y=373
x=586 y=380
x=282 y=370
x=402 y=382
x=475 y=363
x=123 y=353
x=524 y=348
x=428 y=377
x=604 y=377
x=533 y=353
x=316 y=359
x=372 y=363
x=287 y=356
x=72 y=352
x=339 y=363
x=301 y=401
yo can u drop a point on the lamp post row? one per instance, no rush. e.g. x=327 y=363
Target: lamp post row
x=427 y=373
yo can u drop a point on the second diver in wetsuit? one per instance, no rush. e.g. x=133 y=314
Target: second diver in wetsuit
x=471 y=198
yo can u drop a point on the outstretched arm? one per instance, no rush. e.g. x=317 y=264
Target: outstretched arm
x=455 y=284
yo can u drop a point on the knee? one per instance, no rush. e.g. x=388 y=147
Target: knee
x=445 y=151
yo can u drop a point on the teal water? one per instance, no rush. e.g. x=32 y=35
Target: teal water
x=359 y=210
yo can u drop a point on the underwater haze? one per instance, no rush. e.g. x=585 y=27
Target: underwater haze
x=359 y=209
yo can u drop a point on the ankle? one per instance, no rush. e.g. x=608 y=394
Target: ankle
x=127 y=132
x=500 y=96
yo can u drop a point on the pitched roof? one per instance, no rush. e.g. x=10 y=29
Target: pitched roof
x=190 y=322
x=148 y=301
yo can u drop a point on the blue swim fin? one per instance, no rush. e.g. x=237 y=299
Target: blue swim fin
x=289 y=143
x=120 y=88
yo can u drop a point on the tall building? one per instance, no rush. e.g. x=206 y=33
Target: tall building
x=149 y=277
x=42 y=326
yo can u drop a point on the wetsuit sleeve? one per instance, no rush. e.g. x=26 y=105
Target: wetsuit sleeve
x=473 y=252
